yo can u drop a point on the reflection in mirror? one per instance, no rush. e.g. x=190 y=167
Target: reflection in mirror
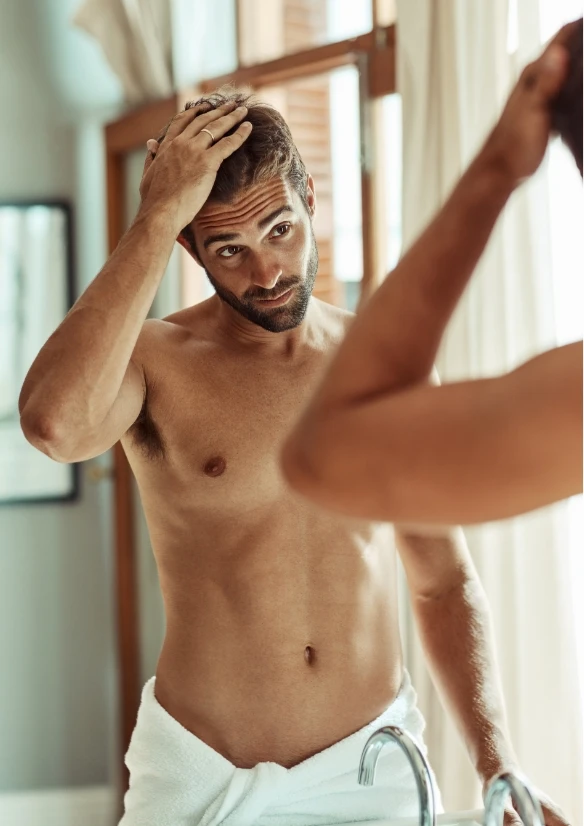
x=35 y=294
x=274 y=643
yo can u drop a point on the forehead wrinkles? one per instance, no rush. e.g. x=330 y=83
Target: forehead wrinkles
x=227 y=215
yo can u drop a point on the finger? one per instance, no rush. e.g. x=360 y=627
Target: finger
x=552 y=814
x=152 y=149
x=180 y=121
x=219 y=121
x=227 y=146
x=220 y=127
x=551 y=819
x=565 y=34
x=512 y=819
x=177 y=124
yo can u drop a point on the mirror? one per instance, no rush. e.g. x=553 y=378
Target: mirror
x=36 y=291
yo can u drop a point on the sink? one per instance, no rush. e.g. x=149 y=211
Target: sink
x=472 y=818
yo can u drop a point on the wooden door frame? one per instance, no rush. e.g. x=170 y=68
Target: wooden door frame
x=125 y=135
x=374 y=55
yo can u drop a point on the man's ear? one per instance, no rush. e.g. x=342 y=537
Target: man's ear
x=185 y=244
x=310 y=196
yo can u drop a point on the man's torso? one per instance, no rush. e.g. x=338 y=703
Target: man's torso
x=282 y=633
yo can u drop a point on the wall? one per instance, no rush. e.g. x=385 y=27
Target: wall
x=57 y=642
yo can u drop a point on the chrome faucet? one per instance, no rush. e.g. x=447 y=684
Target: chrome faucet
x=416 y=759
x=510 y=783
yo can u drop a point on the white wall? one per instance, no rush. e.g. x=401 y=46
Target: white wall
x=57 y=642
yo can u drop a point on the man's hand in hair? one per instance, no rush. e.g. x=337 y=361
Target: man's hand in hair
x=180 y=170
x=517 y=144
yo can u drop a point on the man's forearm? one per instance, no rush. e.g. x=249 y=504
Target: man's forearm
x=75 y=378
x=394 y=339
x=455 y=629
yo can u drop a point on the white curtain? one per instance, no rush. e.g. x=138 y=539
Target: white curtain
x=136 y=38
x=457 y=60
x=204 y=40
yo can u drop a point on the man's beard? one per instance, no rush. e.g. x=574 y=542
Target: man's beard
x=276 y=319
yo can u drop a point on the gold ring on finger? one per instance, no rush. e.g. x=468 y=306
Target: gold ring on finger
x=208 y=131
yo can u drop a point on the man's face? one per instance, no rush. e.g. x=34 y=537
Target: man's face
x=260 y=255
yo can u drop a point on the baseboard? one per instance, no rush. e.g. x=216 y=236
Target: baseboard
x=92 y=806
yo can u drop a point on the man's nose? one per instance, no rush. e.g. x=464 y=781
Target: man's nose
x=266 y=272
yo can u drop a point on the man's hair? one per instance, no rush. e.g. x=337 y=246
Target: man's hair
x=567 y=107
x=268 y=152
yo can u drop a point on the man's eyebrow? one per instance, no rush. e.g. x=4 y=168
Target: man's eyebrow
x=232 y=236
x=224 y=236
x=269 y=218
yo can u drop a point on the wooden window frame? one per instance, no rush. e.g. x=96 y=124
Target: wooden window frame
x=373 y=54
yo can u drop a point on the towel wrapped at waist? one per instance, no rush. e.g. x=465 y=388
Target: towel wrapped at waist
x=178 y=780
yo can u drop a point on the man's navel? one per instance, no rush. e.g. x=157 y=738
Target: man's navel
x=309 y=655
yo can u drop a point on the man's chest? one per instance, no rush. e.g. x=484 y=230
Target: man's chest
x=218 y=429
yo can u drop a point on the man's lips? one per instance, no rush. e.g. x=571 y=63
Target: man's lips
x=277 y=302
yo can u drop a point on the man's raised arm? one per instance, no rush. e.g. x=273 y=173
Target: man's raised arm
x=85 y=387
x=378 y=441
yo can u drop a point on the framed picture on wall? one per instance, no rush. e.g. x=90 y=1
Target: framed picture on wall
x=36 y=291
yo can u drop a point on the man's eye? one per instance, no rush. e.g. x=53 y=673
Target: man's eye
x=228 y=252
x=281 y=229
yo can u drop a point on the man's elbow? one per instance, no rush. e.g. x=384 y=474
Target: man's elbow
x=43 y=433
x=300 y=468
x=307 y=463
x=311 y=467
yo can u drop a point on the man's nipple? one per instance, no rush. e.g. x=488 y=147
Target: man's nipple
x=215 y=466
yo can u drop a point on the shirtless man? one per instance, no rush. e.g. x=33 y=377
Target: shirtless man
x=379 y=441
x=282 y=639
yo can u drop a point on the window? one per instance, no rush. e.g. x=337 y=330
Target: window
x=280 y=27
x=392 y=178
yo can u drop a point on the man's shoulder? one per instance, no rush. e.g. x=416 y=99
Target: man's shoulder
x=189 y=317
x=335 y=320
x=163 y=338
x=180 y=323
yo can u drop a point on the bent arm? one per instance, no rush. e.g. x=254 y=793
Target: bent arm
x=460 y=453
x=84 y=389
x=383 y=366
x=394 y=339
x=454 y=622
x=86 y=386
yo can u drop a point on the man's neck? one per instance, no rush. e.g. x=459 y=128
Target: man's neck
x=245 y=333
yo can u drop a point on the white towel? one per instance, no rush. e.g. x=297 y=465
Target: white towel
x=178 y=780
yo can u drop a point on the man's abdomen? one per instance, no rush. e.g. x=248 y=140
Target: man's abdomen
x=274 y=656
